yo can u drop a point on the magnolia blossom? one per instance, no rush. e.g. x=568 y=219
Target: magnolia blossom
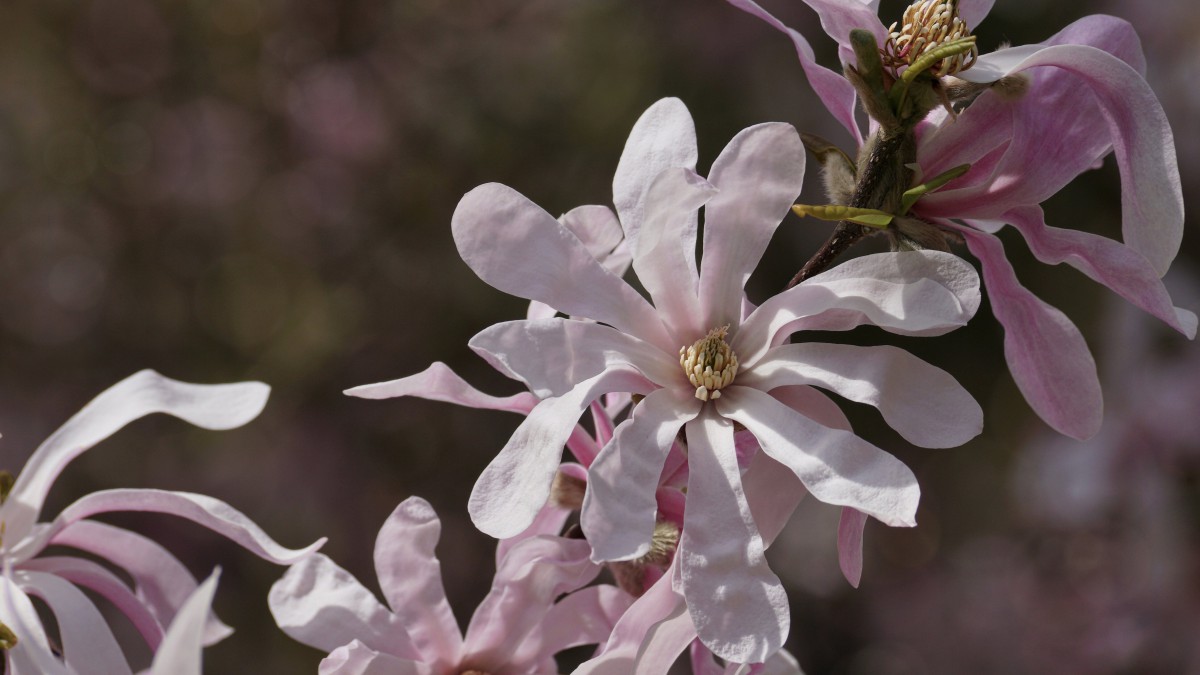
x=1083 y=96
x=702 y=364
x=178 y=654
x=517 y=628
x=161 y=583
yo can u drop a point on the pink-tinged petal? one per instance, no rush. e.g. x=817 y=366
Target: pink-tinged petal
x=31 y=655
x=221 y=406
x=664 y=137
x=992 y=66
x=1046 y=354
x=356 y=658
x=439 y=383
x=663 y=267
x=737 y=604
x=550 y=520
x=602 y=420
x=88 y=645
x=836 y=466
x=532 y=576
x=411 y=579
x=972 y=12
x=780 y=663
x=759 y=175
x=850 y=544
x=773 y=493
x=703 y=661
x=1106 y=261
x=650 y=636
x=585 y=617
x=180 y=653
x=107 y=585
x=552 y=356
x=161 y=582
x=515 y=246
x=910 y=293
x=515 y=485
x=214 y=514
x=925 y=404
x=596 y=226
x=831 y=88
x=813 y=404
x=619 y=507
x=839 y=17
x=318 y=603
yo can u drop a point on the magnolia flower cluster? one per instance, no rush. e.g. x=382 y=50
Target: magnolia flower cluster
x=710 y=411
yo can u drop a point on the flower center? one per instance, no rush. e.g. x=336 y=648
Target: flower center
x=928 y=25
x=709 y=363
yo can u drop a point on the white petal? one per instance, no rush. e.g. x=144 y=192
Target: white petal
x=88 y=645
x=180 y=653
x=439 y=383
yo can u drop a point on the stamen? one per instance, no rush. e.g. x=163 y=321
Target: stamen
x=709 y=364
x=927 y=25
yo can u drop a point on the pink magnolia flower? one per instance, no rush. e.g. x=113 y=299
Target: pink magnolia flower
x=661 y=351
x=161 y=583
x=1085 y=96
x=517 y=628
x=178 y=654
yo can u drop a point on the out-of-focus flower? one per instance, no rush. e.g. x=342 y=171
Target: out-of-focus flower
x=161 y=583
x=517 y=628
x=702 y=364
x=1053 y=111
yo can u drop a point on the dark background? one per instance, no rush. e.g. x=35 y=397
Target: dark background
x=262 y=189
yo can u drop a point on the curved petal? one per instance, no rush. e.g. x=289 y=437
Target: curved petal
x=515 y=485
x=534 y=573
x=597 y=227
x=180 y=653
x=738 y=606
x=910 y=293
x=836 y=466
x=619 y=507
x=773 y=493
x=550 y=520
x=925 y=404
x=318 y=603
x=585 y=617
x=664 y=137
x=31 y=655
x=411 y=579
x=663 y=267
x=1046 y=354
x=516 y=247
x=161 y=582
x=1110 y=263
x=839 y=17
x=88 y=645
x=759 y=175
x=214 y=514
x=219 y=406
x=831 y=88
x=552 y=356
x=439 y=383
x=356 y=658
x=850 y=544
x=972 y=12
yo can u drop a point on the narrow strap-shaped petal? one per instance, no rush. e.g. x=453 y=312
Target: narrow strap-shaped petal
x=552 y=356
x=663 y=267
x=515 y=246
x=759 y=175
x=840 y=17
x=1046 y=354
x=1108 y=262
x=100 y=580
x=550 y=520
x=162 y=583
x=600 y=231
x=925 y=404
x=439 y=383
x=220 y=406
x=663 y=137
x=356 y=658
x=318 y=603
x=31 y=655
x=585 y=617
x=533 y=575
x=411 y=579
x=850 y=544
x=836 y=466
x=515 y=485
x=212 y=513
x=619 y=507
x=832 y=89
x=88 y=645
x=910 y=293
x=180 y=653
x=773 y=493
x=736 y=602
x=972 y=12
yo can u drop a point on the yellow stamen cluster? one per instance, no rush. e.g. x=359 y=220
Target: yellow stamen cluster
x=927 y=25
x=709 y=363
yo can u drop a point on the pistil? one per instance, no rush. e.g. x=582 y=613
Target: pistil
x=927 y=25
x=709 y=363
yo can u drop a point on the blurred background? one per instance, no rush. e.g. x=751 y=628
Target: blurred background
x=262 y=189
